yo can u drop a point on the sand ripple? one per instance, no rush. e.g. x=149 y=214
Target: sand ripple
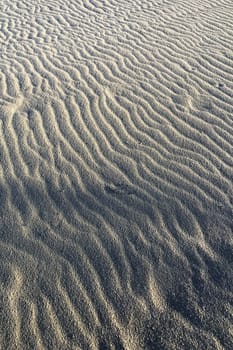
x=116 y=196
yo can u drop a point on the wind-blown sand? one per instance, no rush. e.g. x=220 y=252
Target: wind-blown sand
x=116 y=195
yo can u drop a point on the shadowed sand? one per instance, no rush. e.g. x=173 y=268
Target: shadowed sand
x=116 y=169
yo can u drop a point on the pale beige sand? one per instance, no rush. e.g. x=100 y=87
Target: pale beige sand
x=116 y=196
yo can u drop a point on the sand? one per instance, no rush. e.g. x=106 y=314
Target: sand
x=116 y=169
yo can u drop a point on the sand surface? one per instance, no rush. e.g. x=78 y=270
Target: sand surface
x=116 y=174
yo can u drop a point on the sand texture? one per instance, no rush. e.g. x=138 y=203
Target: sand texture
x=116 y=175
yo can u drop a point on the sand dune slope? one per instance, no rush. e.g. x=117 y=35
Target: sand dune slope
x=116 y=169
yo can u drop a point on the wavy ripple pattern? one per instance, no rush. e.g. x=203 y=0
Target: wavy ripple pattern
x=116 y=196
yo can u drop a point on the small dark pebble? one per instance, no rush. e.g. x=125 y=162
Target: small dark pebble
x=220 y=85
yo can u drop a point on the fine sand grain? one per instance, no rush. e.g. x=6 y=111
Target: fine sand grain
x=116 y=174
